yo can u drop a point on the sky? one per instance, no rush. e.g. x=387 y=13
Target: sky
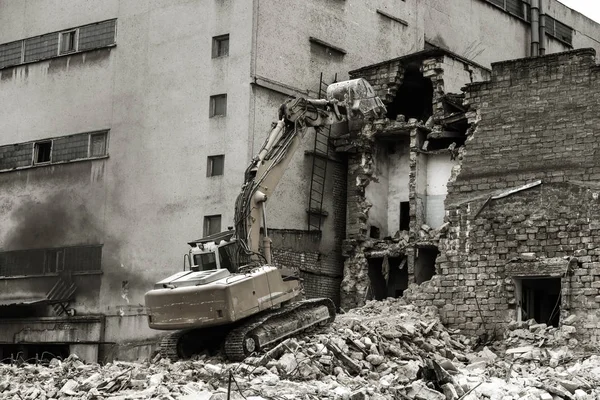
x=589 y=8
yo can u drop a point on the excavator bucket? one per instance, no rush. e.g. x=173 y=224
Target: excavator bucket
x=360 y=97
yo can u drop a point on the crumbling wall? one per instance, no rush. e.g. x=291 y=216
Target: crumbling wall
x=524 y=202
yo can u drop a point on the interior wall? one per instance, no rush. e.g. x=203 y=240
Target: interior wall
x=376 y=192
x=399 y=168
x=439 y=169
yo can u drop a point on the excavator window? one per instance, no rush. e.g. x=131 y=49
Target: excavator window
x=206 y=261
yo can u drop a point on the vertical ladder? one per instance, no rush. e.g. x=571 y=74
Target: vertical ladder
x=320 y=156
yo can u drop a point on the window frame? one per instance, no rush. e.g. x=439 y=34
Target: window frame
x=36 y=149
x=90 y=142
x=213 y=105
x=210 y=165
x=216 y=42
x=207 y=224
x=75 y=49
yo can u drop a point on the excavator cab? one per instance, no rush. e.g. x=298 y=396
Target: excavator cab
x=213 y=252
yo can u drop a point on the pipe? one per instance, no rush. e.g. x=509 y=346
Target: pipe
x=542 y=34
x=535 y=28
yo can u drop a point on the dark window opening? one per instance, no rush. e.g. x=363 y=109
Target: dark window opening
x=404 y=215
x=42 y=152
x=33 y=353
x=215 y=165
x=374 y=232
x=540 y=300
x=212 y=224
x=218 y=105
x=388 y=277
x=425 y=264
x=414 y=96
x=220 y=46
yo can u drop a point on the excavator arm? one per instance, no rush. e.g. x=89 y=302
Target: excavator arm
x=352 y=100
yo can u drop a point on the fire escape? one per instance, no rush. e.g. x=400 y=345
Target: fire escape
x=320 y=156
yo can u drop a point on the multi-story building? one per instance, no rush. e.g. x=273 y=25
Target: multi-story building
x=127 y=126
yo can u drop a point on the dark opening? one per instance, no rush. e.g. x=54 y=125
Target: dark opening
x=374 y=232
x=404 y=215
x=414 y=96
x=42 y=152
x=397 y=278
x=425 y=264
x=32 y=352
x=540 y=300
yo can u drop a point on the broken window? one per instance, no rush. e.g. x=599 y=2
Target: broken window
x=215 y=165
x=212 y=224
x=42 y=152
x=388 y=277
x=539 y=298
x=425 y=264
x=220 y=46
x=218 y=105
x=414 y=96
x=404 y=216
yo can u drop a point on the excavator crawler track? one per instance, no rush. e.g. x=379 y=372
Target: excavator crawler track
x=169 y=346
x=236 y=348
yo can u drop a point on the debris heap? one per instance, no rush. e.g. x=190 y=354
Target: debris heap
x=384 y=350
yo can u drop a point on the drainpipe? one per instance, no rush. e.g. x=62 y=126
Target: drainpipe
x=535 y=28
x=542 y=34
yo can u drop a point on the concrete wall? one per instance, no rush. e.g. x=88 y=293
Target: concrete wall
x=483 y=25
x=152 y=91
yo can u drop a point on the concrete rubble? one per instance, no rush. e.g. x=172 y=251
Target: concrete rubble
x=384 y=350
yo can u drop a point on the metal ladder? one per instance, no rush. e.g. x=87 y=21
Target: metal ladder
x=320 y=156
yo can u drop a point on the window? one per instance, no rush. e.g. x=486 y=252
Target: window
x=212 y=224
x=98 y=144
x=215 y=165
x=42 y=152
x=83 y=38
x=51 y=261
x=68 y=42
x=559 y=30
x=218 y=105
x=220 y=46
x=56 y=150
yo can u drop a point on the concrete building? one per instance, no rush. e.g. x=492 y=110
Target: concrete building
x=127 y=126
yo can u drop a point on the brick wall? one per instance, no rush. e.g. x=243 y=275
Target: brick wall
x=535 y=120
x=300 y=250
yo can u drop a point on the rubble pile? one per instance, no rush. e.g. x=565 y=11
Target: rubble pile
x=384 y=350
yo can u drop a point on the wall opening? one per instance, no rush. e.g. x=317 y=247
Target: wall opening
x=388 y=277
x=425 y=264
x=539 y=298
x=404 y=215
x=32 y=353
x=414 y=98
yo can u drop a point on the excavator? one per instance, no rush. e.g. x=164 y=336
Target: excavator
x=231 y=297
